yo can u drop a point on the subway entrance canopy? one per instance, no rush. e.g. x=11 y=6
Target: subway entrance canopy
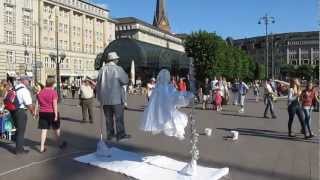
x=149 y=59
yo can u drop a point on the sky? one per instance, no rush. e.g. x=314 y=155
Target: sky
x=228 y=18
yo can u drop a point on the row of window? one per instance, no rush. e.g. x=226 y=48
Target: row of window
x=11 y=57
x=77 y=4
x=78 y=64
x=10 y=38
x=305 y=61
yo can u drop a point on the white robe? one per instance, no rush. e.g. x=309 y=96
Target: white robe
x=161 y=113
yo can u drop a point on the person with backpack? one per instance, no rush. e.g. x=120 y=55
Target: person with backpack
x=243 y=90
x=22 y=101
x=268 y=99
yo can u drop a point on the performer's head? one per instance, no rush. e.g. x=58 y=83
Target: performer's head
x=163 y=77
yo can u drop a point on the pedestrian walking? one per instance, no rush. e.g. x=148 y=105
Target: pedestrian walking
x=294 y=107
x=268 y=99
x=73 y=90
x=308 y=100
x=48 y=114
x=24 y=103
x=243 y=90
x=235 y=92
x=87 y=100
x=111 y=78
x=256 y=90
x=206 y=94
x=150 y=86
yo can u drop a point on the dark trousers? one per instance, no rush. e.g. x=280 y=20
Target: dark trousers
x=294 y=109
x=20 y=121
x=73 y=94
x=269 y=106
x=116 y=112
x=87 y=106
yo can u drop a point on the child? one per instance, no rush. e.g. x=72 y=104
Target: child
x=217 y=98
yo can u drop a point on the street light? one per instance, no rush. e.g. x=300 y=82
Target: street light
x=54 y=58
x=266 y=20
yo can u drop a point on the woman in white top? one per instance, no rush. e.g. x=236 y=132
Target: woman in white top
x=150 y=87
x=294 y=107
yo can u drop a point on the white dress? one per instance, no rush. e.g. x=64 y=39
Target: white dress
x=161 y=114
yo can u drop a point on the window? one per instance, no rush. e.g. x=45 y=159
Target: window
x=60 y=27
x=9 y=15
x=26 y=40
x=51 y=25
x=27 y=58
x=9 y=38
x=65 y=45
x=11 y=57
x=46 y=62
x=305 y=61
x=65 y=28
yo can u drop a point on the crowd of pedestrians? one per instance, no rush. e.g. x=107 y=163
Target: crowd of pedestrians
x=111 y=91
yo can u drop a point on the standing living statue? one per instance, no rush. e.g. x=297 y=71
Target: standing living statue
x=111 y=80
x=161 y=114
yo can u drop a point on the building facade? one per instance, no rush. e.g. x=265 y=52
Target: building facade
x=30 y=30
x=130 y=27
x=295 y=48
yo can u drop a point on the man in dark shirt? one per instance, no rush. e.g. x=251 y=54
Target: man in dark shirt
x=206 y=93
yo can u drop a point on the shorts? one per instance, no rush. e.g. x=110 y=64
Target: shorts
x=206 y=98
x=46 y=121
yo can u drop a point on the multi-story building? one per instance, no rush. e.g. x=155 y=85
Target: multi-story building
x=133 y=28
x=295 y=48
x=31 y=29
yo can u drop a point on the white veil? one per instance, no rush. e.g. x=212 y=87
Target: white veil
x=161 y=114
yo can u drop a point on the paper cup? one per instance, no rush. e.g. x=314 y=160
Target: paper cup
x=235 y=135
x=208 y=131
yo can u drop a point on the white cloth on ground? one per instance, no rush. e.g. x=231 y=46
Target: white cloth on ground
x=161 y=113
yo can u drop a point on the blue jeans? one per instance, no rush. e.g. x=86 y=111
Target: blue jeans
x=269 y=105
x=307 y=119
x=295 y=109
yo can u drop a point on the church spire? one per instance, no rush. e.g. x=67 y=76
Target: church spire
x=160 y=18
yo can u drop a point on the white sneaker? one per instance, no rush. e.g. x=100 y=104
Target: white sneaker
x=241 y=110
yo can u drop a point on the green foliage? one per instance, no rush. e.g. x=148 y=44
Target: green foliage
x=305 y=71
x=288 y=70
x=214 y=57
x=260 y=71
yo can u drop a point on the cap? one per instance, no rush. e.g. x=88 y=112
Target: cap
x=24 y=77
x=112 y=56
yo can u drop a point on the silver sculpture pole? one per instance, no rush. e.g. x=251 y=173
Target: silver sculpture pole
x=191 y=168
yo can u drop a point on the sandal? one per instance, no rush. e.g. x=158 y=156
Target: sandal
x=44 y=150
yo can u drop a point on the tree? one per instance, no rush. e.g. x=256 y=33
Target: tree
x=305 y=71
x=287 y=70
x=215 y=57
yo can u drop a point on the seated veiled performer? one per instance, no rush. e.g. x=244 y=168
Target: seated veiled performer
x=161 y=114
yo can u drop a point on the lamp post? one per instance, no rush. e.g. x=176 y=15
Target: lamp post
x=266 y=20
x=58 y=61
x=35 y=24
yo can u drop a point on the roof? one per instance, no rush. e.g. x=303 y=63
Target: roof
x=289 y=35
x=87 y=2
x=129 y=20
x=145 y=54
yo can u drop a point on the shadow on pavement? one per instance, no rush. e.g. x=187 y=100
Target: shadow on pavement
x=269 y=134
x=242 y=115
x=133 y=109
x=70 y=119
